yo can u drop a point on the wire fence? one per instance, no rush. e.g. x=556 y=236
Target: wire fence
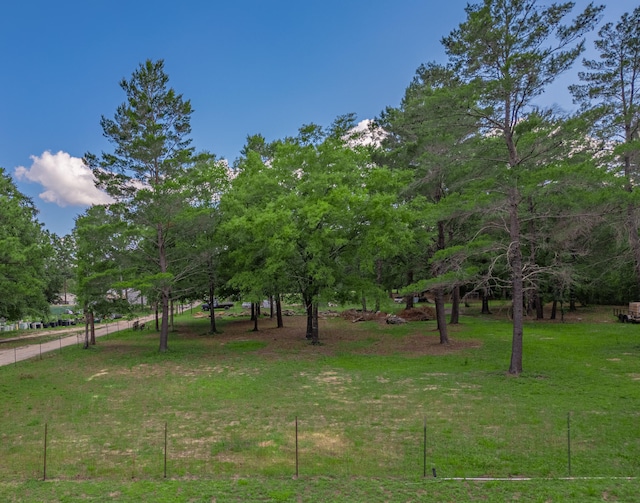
x=588 y=443
x=42 y=344
x=315 y=447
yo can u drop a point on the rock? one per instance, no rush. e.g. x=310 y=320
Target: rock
x=395 y=320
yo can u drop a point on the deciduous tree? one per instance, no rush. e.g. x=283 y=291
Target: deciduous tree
x=304 y=214
x=103 y=264
x=24 y=249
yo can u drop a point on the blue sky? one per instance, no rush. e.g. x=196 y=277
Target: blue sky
x=248 y=66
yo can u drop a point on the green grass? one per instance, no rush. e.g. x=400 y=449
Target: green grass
x=230 y=405
x=312 y=490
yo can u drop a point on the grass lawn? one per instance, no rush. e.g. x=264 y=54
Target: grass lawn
x=228 y=406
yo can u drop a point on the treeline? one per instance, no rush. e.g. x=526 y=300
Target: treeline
x=36 y=267
x=466 y=186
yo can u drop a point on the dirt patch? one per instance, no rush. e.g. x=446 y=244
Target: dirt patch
x=355 y=315
x=422 y=313
x=324 y=442
x=340 y=335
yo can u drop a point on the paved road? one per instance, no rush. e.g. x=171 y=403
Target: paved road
x=67 y=337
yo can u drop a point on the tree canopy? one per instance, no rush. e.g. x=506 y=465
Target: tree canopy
x=301 y=216
x=24 y=251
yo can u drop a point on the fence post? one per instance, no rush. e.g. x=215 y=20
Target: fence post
x=569 y=442
x=424 y=450
x=44 y=469
x=165 y=450
x=296 y=446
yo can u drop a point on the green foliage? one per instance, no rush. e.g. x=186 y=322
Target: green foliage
x=507 y=52
x=25 y=252
x=104 y=260
x=148 y=175
x=311 y=214
x=60 y=268
x=609 y=95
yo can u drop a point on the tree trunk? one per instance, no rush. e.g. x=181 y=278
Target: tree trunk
x=309 y=308
x=572 y=301
x=539 y=305
x=212 y=298
x=455 y=306
x=554 y=309
x=517 y=288
x=379 y=283
x=87 y=320
x=439 y=292
x=441 y=316
x=92 y=329
x=485 y=302
x=409 y=298
x=315 y=333
x=164 y=325
x=279 y=311
x=409 y=301
x=255 y=318
x=165 y=291
x=171 y=310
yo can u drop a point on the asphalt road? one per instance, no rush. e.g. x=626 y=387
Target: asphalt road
x=68 y=337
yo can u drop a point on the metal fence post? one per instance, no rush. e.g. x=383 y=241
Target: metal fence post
x=44 y=469
x=569 y=442
x=165 y=450
x=296 y=446
x=424 y=450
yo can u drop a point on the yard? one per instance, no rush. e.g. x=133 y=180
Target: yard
x=363 y=417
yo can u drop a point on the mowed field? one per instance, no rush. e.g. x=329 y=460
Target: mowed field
x=363 y=417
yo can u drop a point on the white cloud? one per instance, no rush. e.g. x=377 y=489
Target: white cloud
x=365 y=134
x=68 y=182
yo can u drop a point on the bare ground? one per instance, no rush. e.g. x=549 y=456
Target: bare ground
x=338 y=335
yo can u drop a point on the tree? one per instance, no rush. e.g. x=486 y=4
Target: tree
x=426 y=136
x=61 y=267
x=247 y=226
x=510 y=51
x=610 y=96
x=150 y=134
x=303 y=214
x=24 y=250
x=102 y=240
x=198 y=241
